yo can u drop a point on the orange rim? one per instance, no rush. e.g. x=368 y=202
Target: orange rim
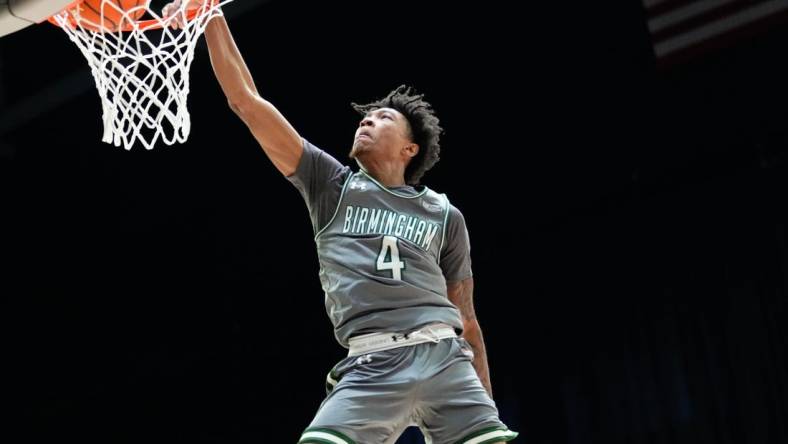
x=141 y=24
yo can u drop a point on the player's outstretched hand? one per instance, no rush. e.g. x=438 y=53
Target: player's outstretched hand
x=172 y=8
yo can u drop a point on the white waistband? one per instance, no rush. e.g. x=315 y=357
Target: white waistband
x=375 y=342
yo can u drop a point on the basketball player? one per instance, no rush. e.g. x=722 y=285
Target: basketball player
x=394 y=265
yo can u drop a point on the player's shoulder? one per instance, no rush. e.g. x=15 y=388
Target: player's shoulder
x=325 y=160
x=455 y=213
x=312 y=150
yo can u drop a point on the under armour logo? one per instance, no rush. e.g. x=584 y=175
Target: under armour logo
x=366 y=359
x=406 y=336
x=358 y=185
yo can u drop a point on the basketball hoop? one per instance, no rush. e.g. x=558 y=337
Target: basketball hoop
x=141 y=67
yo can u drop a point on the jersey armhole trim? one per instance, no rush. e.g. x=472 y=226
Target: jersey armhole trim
x=445 y=223
x=339 y=204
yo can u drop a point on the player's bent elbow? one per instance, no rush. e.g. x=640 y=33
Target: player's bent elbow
x=234 y=107
x=242 y=103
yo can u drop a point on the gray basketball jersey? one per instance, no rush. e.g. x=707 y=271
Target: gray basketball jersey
x=379 y=260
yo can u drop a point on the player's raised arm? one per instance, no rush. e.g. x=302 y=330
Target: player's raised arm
x=273 y=132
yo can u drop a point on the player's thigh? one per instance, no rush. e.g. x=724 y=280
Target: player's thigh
x=366 y=405
x=456 y=408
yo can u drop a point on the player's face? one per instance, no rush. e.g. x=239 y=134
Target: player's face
x=382 y=133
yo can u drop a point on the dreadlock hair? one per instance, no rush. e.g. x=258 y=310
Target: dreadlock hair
x=425 y=129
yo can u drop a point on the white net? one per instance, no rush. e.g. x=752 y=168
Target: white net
x=142 y=72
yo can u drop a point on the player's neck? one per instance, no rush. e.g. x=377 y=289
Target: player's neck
x=389 y=176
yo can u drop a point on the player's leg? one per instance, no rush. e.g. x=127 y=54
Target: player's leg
x=367 y=402
x=453 y=405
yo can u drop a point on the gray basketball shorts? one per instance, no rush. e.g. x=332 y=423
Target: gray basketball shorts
x=373 y=398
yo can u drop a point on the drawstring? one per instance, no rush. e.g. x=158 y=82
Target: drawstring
x=434 y=338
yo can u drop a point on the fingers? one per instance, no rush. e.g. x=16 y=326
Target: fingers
x=173 y=8
x=169 y=8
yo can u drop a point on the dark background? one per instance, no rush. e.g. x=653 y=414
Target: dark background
x=627 y=222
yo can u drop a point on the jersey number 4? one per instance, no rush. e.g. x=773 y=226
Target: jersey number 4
x=390 y=250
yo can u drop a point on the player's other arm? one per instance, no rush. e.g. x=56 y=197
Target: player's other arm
x=273 y=132
x=461 y=295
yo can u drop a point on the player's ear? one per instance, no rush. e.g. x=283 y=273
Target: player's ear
x=411 y=150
